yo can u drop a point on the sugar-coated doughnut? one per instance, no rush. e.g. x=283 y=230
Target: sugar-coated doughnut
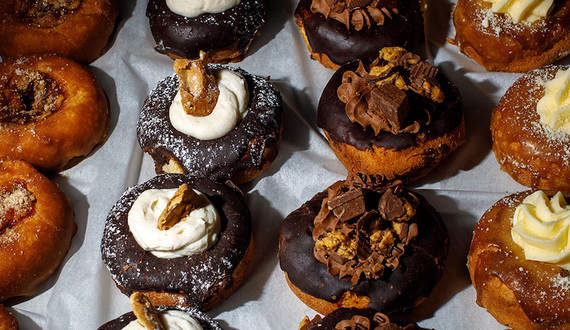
x=77 y=29
x=36 y=227
x=499 y=43
x=392 y=268
x=201 y=280
x=53 y=110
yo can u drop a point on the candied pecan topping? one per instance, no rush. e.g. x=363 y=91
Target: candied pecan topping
x=356 y=13
x=16 y=202
x=397 y=93
x=28 y=95
x=45 y=13
x=198 y=87
x=363 y=227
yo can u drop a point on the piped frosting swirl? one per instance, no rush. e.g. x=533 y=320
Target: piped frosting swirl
x=554 y=107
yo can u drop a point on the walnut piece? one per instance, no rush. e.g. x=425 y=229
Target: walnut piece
x=179 y=206
x=145 y=312
x=198 y=87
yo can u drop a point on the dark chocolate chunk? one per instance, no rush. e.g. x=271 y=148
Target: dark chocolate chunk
x=390 y=103
x=348 y=205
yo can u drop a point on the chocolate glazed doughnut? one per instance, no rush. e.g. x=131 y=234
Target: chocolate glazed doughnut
x=122 y=321
x=341 y=45
x=202 y=280
x=224 y=36
x=239 y=155
x=399 y=290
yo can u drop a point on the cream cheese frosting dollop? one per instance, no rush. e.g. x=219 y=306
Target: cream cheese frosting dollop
x=230 y=108
x=554 y=106
x=523 y=10
x=193 y=8
x=172 y=319
x=192 y=235
x=541 y=227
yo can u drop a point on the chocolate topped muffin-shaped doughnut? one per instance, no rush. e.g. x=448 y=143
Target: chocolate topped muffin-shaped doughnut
x=339 y=32
x=397 y=116
x=363 y=242
x=222 y=29
x=355 y=318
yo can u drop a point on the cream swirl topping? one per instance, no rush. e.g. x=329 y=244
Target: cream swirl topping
x=193 y=8
x=554 y=106
x=523 y=10
x=541 y=227
x=194 y=234
x=172 y=319
x=230 y=108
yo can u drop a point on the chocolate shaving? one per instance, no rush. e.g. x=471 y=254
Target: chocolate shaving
x=357 y=14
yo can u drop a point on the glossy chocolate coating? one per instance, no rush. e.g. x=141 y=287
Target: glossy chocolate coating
x=342 y=45
x=420 y=268
x=122 y=321
x=332 y=118
x=198 y=277
x=187 y=36
x=217 y=159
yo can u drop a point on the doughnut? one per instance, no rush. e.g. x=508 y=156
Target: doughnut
x=520 y=293
x=337 y=34
x=202 y=280
x=225 y=36
x=240 y=155
x=528 y=149
x=52 y=110
x=77 y=29
x=36 y=228
x=500 y=42
x=7 y=320
x=378 y=128
x=390 y=266
x=355 y=318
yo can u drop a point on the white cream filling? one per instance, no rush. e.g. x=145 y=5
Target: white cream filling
x=192 y=235
x=230 y=108
x=193 y=8
x=172 y=320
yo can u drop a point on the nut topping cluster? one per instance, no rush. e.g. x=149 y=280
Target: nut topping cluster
x=45 y=13
x=16 y=202
x=184 y=201
x=198 y=87
x=145 y=312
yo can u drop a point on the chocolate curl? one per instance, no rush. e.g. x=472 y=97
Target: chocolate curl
x=198 y=87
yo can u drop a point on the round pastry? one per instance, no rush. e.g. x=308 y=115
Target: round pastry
x=175 y=267
x=397 y=117
x=530 y=129
x=503 y=36
x=52 y=110
x=7 y=320
x=355 y=318
x=362 y=243
x=338 y=32
x=518 y=261
x=77 y=29
x=36 y=227
x=222 y=29
x=247 y=146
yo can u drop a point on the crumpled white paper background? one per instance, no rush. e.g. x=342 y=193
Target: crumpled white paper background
x=81 y=294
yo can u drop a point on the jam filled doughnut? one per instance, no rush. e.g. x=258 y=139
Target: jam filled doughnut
x=52 y=110
x=397 y=117
x=241 y=154
x=338 y=32
x=77 y=29
x=36 y=227
x=202 y=279
x=529 y=130
x=519 y=264
x=224 y=34
x=7 y=320
x=363 y=244
x=355 y=318
x=512 y=39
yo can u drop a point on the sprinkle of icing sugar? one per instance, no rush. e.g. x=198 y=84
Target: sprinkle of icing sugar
x=498 y=24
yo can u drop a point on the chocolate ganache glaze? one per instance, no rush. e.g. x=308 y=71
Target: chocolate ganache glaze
x=396 y=289
x=402 y=27
x=443 y=116
x=187 y=36
x=357 y=319
x=198 y=277
x=221 y=158
x=122 y=321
